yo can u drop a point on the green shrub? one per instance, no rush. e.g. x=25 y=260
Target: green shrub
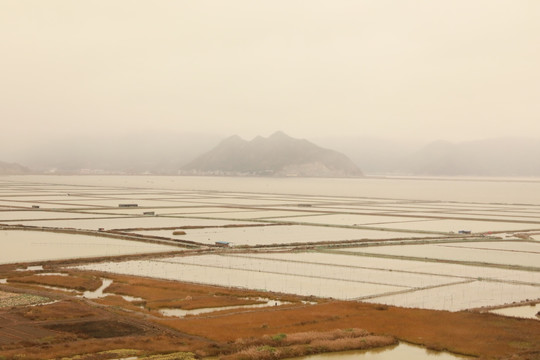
x=279 y=337
x=267 y=348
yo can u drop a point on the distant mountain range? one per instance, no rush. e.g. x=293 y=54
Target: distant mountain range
x=12 y=169
x=492 y=157
x=277 y=155
x=489 y=157
x=162 y=153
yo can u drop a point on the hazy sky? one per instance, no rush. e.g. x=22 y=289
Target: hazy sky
x=440 y=69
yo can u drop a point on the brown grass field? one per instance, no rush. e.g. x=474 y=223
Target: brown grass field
x=81 y=283
x=107 y=327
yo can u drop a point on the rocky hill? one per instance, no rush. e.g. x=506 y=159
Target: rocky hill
x=12 y=169
x=277 y=155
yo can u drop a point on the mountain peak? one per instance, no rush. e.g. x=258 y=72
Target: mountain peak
x=279 y=135
x=277 y=155
x=233 y=139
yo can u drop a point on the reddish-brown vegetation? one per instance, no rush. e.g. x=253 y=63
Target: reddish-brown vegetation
x=66 y=347
x=170 y=294
x=273 y=332
x=62 y=310
x=69 y=282
x=299 y=344
x=97 y=329
x=470 y=333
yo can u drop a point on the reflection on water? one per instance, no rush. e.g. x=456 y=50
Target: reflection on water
x=398 y=352
x=526 y=311
x=182 y=312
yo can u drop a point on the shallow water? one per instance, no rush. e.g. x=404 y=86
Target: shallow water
x=52 y=274
x=329 y=202
x=489 y=190
x=462 y=296
x=408 y=289
x=401 y=351
x=356 y=275
x=10 y=216
x=109 y=223
x=353 y=219
x=182 y=312
x=449 y=225
x=98 y=293
x=450 y=252
x=508 y=246
x=285 y=234
x=526 y=311
x=407 y=266
x=32 y=268
x=250 y=279
x=26 y=246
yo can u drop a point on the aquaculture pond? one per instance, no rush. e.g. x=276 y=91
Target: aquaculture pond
x=30 y=246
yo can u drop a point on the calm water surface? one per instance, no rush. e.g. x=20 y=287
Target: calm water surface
x=23 y=246
x=400 y=352
x=526 y=311
x=489 y=190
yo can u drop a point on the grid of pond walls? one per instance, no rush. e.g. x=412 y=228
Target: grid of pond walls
x=411 y=250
